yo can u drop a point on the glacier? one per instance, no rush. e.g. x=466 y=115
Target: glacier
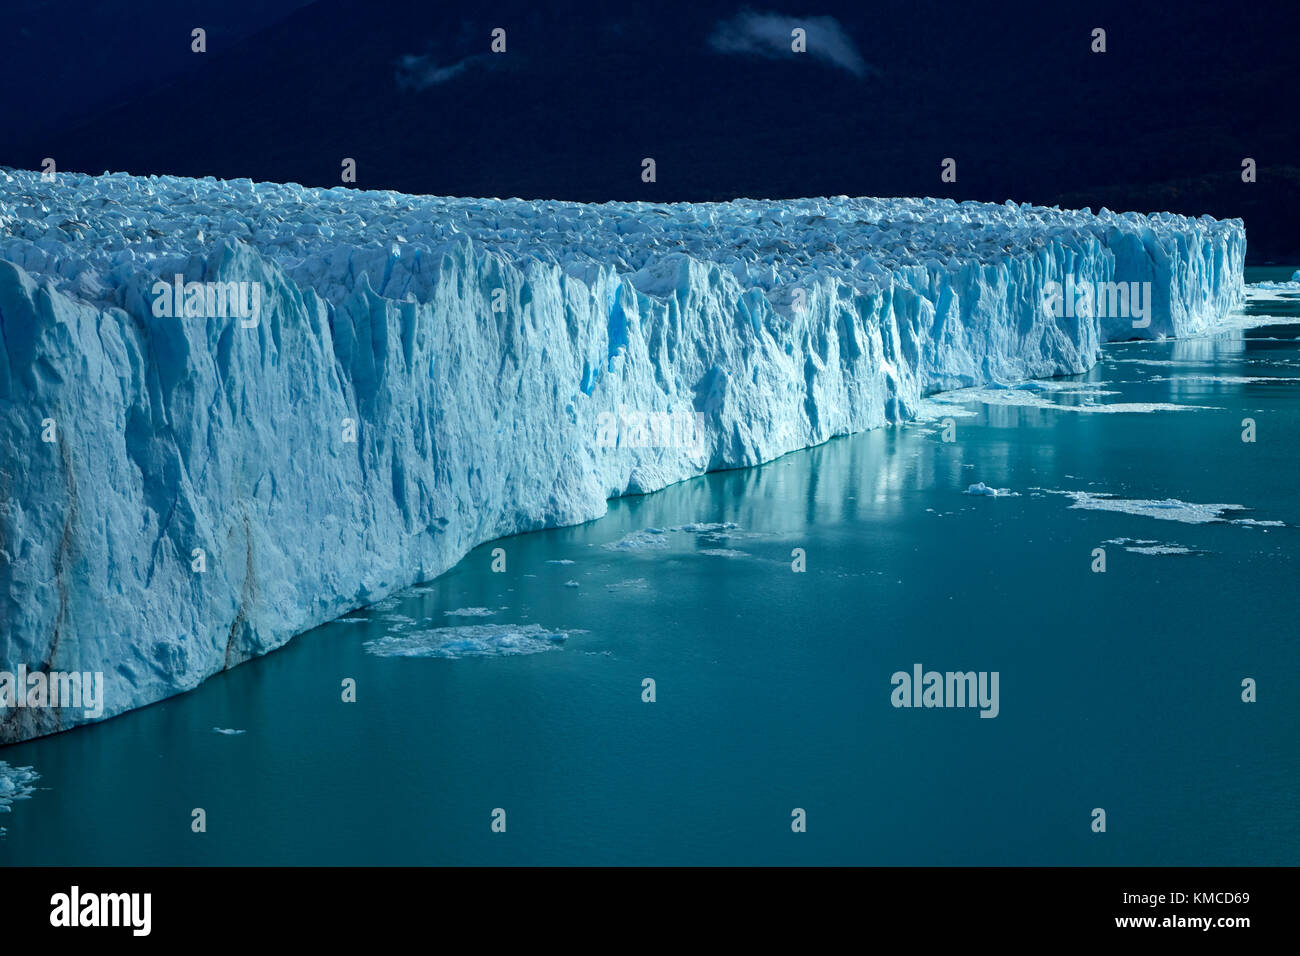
x=179 y=494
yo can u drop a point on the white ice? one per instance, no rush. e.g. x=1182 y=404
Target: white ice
x=382 y=418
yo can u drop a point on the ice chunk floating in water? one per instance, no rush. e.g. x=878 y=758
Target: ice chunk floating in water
x=470 y=612
x=375 y=417
x=979 y=489
x=471 y=640
x=1144 y=546
x=1166 y=509
x=16 y=783
x=1293 y=285
x=1035 y=398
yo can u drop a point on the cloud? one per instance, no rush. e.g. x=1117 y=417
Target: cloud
x=421 y=72
x=768 y=34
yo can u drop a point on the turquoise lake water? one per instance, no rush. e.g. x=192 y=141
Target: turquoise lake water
x=1119 y=690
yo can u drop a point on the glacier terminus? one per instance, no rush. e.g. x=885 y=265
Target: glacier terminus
x=189 y=483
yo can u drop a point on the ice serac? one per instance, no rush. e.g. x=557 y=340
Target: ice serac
x=471 y=347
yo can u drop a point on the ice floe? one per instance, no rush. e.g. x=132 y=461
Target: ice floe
x=470 y=640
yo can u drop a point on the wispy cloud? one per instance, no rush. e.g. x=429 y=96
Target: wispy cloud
x=421 y=72
x=768 y=34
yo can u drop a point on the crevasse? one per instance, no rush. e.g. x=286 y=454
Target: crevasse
x=782 y=323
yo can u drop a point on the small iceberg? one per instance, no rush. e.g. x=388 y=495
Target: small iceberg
x=16 y=783
x=1166 y=509
x=470 y=612
x=1146 y=546
x=470 y=640
x=981 y=489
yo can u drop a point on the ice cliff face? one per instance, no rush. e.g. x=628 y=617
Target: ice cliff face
x=181 y=493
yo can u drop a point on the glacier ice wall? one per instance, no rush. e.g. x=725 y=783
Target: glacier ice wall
x=782 y=323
